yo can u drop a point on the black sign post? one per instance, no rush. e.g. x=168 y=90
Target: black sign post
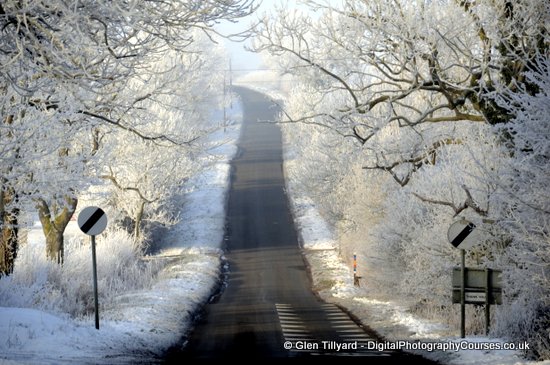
x=92 y=221
x=472 y=286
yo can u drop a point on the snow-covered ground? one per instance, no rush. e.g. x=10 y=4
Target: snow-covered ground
x=142 y=324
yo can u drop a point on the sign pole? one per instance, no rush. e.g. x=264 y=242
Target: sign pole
x=463 y=293
x=92 y=221
x=488 y=291
x=355 y=277
x=462 y=234
x=94 y=269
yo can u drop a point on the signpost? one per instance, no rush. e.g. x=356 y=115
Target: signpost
x=92 y=221
x=459 y=236
x=472 y=286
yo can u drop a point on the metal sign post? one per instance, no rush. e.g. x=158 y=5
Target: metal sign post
x=481 y=287
x=92 y=221
x=463 y=293
x=461 y=237
x=94 y=270
x=487 y=300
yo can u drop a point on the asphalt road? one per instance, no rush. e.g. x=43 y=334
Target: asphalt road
x=267 y=304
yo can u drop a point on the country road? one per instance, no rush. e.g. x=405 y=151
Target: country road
x=267 y=310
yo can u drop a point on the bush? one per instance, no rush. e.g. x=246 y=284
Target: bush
x=39 y=283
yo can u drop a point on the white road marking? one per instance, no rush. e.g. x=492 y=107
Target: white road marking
x=295 y=331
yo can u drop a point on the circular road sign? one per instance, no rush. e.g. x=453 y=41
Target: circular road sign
x=92 y=221
x=463 y=235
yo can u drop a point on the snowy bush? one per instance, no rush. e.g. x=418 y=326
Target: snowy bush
x=39 y=283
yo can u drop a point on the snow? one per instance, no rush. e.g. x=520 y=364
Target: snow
x=316 y=234
x=140 y=325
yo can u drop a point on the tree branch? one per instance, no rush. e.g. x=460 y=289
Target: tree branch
x=135 y=131
x=468 y=203
x=428 y=157
x=113 y=179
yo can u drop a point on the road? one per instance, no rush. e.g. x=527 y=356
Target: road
x=268 y=303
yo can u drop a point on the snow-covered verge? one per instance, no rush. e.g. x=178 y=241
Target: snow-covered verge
x=135 y=326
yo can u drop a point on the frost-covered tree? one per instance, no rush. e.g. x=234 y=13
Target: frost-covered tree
x=406 y=64
x=524 y=207
x=147 y=174
x=65 y=68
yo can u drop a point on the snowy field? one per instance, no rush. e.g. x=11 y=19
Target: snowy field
x=138 y=326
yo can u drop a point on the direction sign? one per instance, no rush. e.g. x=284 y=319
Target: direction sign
x=463 y=234
x=92 y=220
x=477 y=297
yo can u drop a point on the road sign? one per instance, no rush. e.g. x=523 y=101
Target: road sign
x=463 y=234
x=92 y=221
x=477 y=297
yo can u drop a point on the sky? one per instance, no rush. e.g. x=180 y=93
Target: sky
x=240 y=58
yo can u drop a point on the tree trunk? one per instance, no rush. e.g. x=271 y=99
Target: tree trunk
x=9 y=215
x=8 y=233
x=54 y=221
x=54 y=245
x=139 y=217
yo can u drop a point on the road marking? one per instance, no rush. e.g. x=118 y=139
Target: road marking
x=345 y=325
x=349 y=332
x=286 y=325
x=339 y=315
x=293 y=328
